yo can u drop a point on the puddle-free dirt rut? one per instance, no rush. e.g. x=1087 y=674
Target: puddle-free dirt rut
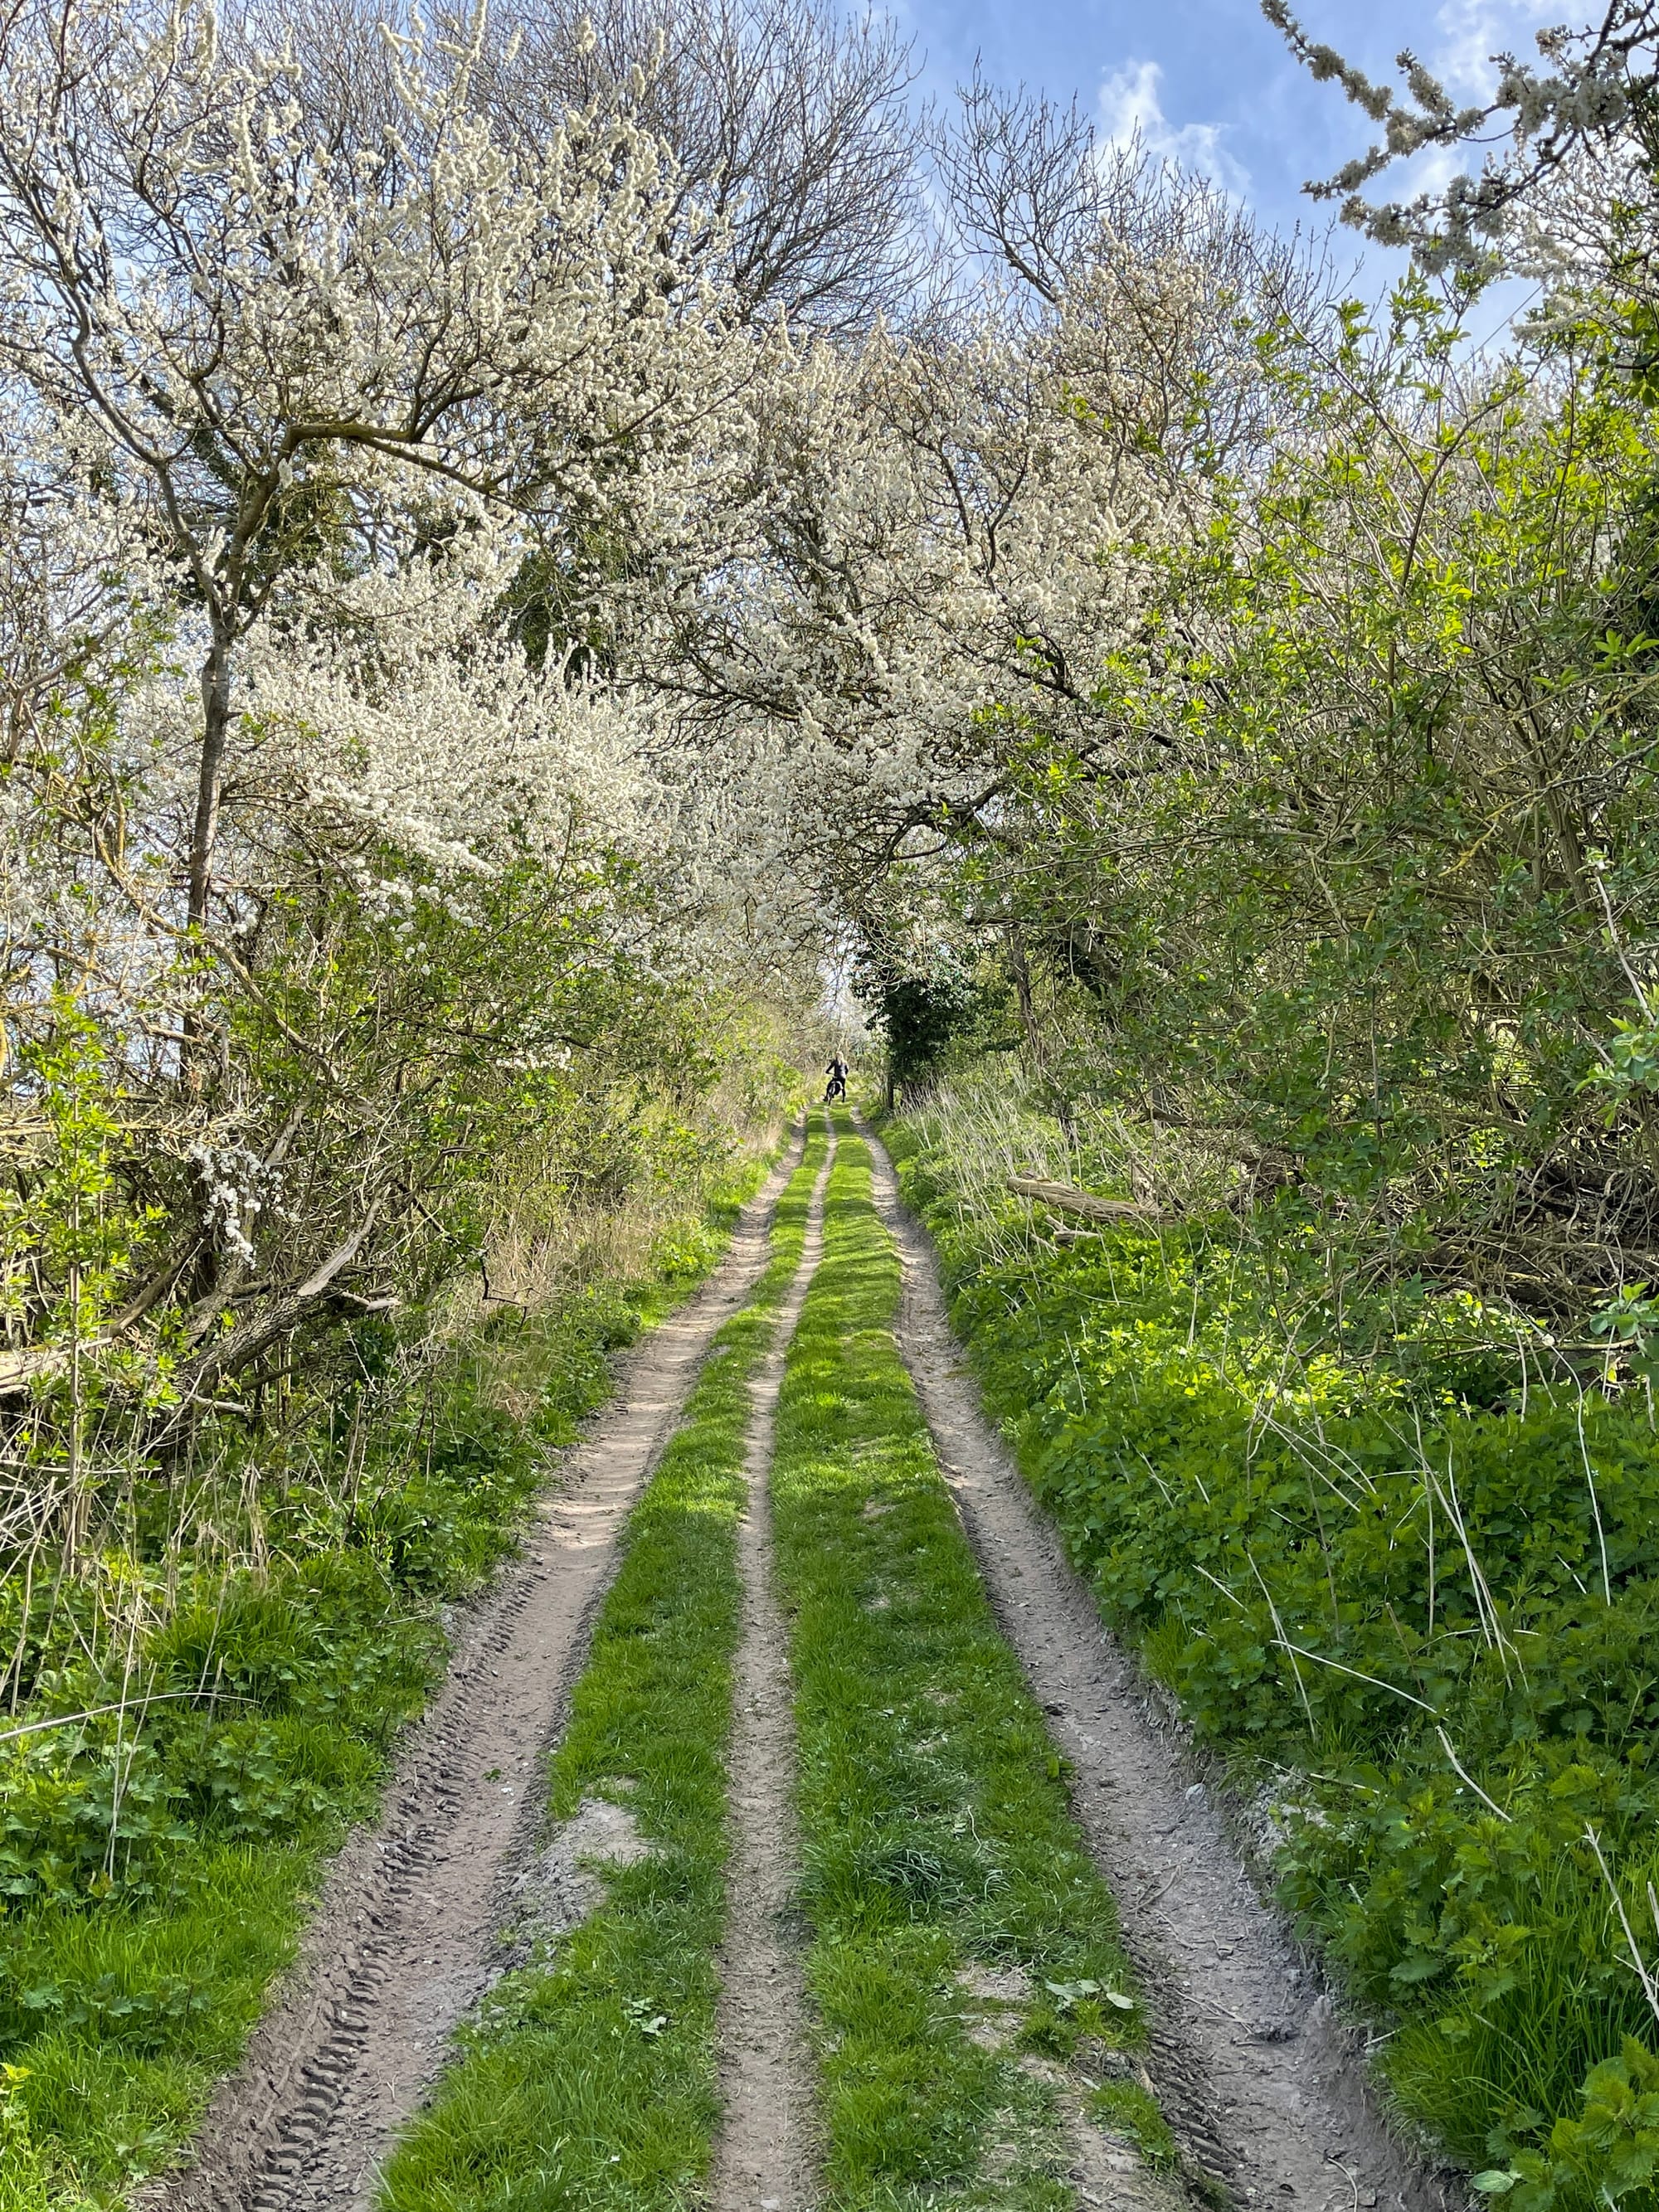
x=765 y=2157
x=1256 y=2075
x=400 y=1946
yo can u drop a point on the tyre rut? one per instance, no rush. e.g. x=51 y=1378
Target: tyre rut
x=1264 y=2087
x=401 y=1944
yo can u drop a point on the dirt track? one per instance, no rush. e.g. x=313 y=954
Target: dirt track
x=1265 y=2088
x=401 y=1943
x=765 y=2155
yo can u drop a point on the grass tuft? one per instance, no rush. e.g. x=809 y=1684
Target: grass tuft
x=1127 y=2109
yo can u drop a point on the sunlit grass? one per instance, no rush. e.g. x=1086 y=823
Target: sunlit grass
x=936 y=1831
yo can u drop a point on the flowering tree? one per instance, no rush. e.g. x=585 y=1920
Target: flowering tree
x=307 y=400
x=955 y=530
x=1566 y=180
x=788 y=120
x=254 y=338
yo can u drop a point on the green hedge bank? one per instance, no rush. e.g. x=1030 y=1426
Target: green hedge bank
x=1422 y=1627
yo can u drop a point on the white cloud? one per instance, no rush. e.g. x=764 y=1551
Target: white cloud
x=1472 y=31
x=1130 y=106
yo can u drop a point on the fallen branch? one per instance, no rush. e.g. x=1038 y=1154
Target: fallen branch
x=1065 y=1198
x=229 y=1355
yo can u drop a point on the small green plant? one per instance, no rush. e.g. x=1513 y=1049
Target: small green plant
x=1609 y=2154
x=1629 y=1325
x=1127 y=2109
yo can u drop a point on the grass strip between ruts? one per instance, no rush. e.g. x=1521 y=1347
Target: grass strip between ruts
x=936 y=1831
x=589 y=2076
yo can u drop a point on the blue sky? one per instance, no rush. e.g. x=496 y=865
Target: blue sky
x=1211 y=81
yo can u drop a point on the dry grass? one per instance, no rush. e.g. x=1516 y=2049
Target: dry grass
x=993 y=1121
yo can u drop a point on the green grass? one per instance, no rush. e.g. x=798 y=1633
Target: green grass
x=1128 y=2109
x=935 y=1826
x=131 y=1973
x=589 y=2079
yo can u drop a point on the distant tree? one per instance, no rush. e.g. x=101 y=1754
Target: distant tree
x=914 y=1015
x=790 y=122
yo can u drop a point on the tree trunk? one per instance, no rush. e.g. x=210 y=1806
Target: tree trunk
x=1019 y=967
x=215 y=732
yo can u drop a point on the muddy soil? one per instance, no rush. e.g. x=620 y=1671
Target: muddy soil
x=765 y=2158
x=1265 y=2086
x=403 y=1941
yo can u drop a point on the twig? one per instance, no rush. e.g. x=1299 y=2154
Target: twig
x=1618 y=944
x=1320 y=1660
x=1643 y=1975
x=93 y=1712
x=1459 y=1768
